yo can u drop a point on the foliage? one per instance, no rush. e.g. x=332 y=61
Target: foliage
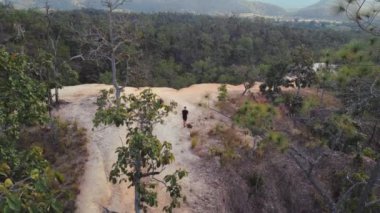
x=22 y=98
x=274 y=78
x=308 y=104
x=230 y=143
x=357 y=81
x=293 y=102
x=368 y=152
x=143 y=154
x=274 y=140
x=341 y=133
x=194 y=48
x=105 y=78
x=255 y=116
x=64 y=146
x=27 y=183
x=345 y=180
x=301 y=68
x=222 y=93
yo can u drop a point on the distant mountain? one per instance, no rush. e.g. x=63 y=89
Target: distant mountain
x=149 y=6
x=324 y=9
x=194 y=6
x=266 y=9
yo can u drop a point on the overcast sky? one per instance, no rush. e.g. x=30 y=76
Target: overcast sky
x=290 y=4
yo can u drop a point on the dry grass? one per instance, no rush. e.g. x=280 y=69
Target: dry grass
x=64 y=146
x=195 y=139
x=229 y=142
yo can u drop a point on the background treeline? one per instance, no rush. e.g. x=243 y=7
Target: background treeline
x=165 y=49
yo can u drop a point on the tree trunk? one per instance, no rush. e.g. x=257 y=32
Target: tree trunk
x=114 y=76
x=137 y=185
x=113 y=57
x=373 y=134
x=368 y=188
x=245 y=91
x=49 y=101
x=322 y=96
x=298 y=91
x=56 y=96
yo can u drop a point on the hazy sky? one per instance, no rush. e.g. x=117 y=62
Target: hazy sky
x=289 y=4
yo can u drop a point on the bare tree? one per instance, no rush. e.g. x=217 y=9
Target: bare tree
x=364 y=13
x=100 y=45
x=307 y=165
x=52 y=44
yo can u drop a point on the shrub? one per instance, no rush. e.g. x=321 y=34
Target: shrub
x=309 y=103
x=194 y=135
x=340 y=132
x=368 y=152
x=256 y=182
x=255 y=116
x=223 y=93
x=274 y=140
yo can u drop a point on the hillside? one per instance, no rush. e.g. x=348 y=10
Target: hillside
x=115 y=111
x=266 y=9
x=202 y=190
x=225 y=164
x=324 y=9
x=151 y=6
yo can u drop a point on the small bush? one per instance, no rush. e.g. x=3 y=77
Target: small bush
x=368 y=152
x=274 y=140
x=256 y=182
x=223 y=93
x=308 y=104
x=340 y=131
x=231 y=142
x=256 y=117
x=194 y=139
x=226 y=153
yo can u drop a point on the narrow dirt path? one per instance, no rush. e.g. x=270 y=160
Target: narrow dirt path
x=202 y=188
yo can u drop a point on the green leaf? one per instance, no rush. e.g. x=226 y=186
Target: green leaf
x=35 y=174
x=14 y=203
x=8 y=183
x=59 y=177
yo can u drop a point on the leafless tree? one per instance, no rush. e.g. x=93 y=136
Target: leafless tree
x=364 y=13
x=307 y=165
x=52 y=44
x=100 y=45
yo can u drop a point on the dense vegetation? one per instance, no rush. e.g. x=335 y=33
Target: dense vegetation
x=338 y=130
x=34 y=147
x=178 y=50
x=173 y=50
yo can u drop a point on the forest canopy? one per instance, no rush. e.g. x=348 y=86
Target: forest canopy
x=166 y=49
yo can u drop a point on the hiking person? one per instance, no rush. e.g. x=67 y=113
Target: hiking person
x=184 y=116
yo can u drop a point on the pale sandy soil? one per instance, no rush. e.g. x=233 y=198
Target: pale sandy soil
x=202 y=189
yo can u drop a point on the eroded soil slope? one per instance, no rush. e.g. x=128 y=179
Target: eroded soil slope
x=203 y=190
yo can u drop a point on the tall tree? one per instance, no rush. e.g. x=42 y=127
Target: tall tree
x=27 y=183
x=302 y=68
x=143 y=154
x=101 y=45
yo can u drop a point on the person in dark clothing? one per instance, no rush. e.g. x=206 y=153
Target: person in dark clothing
x=184 y=116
